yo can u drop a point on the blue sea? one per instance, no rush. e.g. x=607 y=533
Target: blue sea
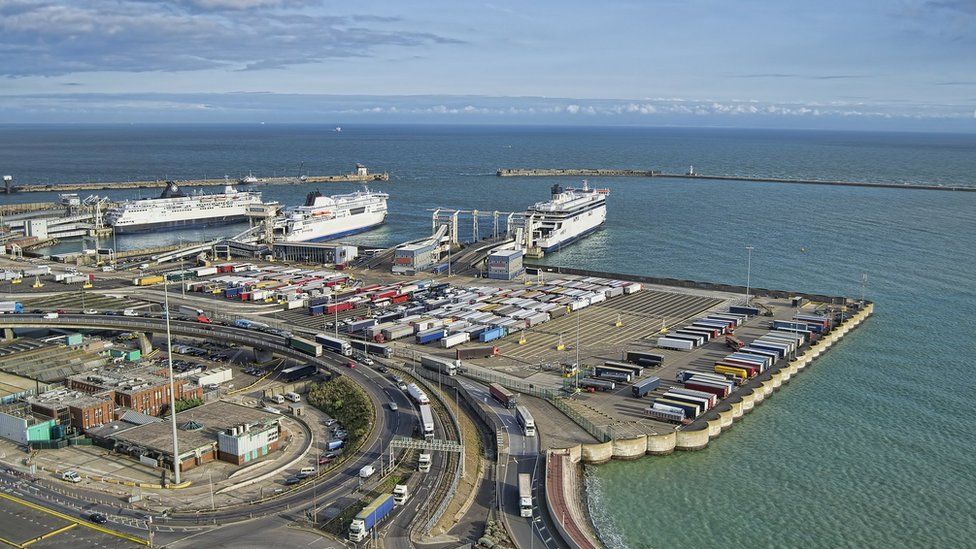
x=871 y=447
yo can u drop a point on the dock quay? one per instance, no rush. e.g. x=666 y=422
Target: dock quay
x=355 y=177
x=607 y=172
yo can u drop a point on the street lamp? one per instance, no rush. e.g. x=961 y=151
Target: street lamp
x=748 y=272
x=172 y=387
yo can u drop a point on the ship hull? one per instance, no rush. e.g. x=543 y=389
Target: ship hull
x=178 y=224
x=337 y=228
x=563 y=243
x=585 y=226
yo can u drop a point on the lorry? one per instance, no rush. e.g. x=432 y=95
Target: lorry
x=503 y=395
x=11 y=307
x=196 y=314
x=367 y=471
x=445 y=366
x=645 y=386
x=423 y=463
x=525 y=495
x=308 y=347
x=400 y=494
x=334 y=344
x=525 y=419
x=426 y=422
x=370 y=516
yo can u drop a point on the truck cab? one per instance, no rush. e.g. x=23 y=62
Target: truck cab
x=423 y=464
x=400 y=494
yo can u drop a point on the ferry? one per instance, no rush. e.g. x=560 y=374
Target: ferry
x=328 y=217
x=175 y=210
x=568 y=216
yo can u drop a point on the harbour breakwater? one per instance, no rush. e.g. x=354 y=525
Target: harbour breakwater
x=160 y=183
x=609 y=172
x=700 y=433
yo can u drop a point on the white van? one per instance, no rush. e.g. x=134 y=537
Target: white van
x=307 y=471
x=294 y=397
x=50 y=316
x=277 y=399
x=71 y=476
x=366 y=471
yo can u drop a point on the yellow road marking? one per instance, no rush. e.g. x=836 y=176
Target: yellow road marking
x=77 y=521
x=49 y=534
x=10 y=543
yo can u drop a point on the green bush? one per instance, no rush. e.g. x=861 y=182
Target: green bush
x=346 y=402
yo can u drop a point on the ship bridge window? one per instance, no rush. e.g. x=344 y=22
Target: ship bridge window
x=357 y=211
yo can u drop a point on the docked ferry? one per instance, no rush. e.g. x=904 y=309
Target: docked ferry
x=328 y=217
x=568 y=216
x=175 y=209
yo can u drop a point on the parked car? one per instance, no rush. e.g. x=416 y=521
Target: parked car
x=71 y=476
x=290 y=481
x=98 y=518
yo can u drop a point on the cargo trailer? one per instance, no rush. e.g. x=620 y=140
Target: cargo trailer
x=334 y=344
x=524 y=418
x=781 y=351
x=371 y=515
x=691 y=410
x=429 y=336
x=370 y=348
x=445 y=366
x=502 y=395
x=722 y=327
x=455 y=339
x=417 y=394
x=598 y=384
x=787 y=346
x=761 y=360
x=295 y=373
x=675 y=344
x=304 y=345
x=637 y=371
x=426 y=422
x=491 y=334
x=643 y=358
x=665 y=412
x=749 y=368
x=718 y=390
x=614 y=373
x=744 y=310
x=739 y=373
x=397 y=332
x=698 y=340
x=702 y=402
x=525 y=495
x=705 y=334
x=644 y=386
x=710 y=397
x=772 y=356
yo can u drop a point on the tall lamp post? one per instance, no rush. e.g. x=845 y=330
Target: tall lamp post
x=172 y=388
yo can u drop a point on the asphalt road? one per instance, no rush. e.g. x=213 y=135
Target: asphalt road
x=523 y=457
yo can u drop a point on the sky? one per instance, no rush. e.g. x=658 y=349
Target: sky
x=889 y=65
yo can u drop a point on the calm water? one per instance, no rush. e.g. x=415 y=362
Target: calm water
x=871 y=447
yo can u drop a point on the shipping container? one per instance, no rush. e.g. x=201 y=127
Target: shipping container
x=644 y=386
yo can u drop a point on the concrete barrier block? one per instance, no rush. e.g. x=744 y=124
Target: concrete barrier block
x=629 y=448
x=691 y=440
x=714 y=427
x=661 y=445
x=597 y=453
x=737 y=410
x=726 y=418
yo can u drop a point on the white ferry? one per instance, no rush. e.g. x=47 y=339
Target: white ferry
x=328 y=217
x=175 y=209
x=568 y=216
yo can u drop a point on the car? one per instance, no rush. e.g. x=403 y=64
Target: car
x=291 y=481
x=325 y=459
x=303 y=475
x=402 y=386
x=61 y=312
x=71 y=476
x=351 y=364
x=393 y=407
x=98 y=518
x=329 y=422
x=332 y=455
x=90 y=312
x=367 y=361
x=382 y=369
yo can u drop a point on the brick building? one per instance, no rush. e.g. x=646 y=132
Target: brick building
x=139 y=390
x=79 y=409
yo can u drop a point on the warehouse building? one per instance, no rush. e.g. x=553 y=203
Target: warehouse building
x=505 y=264
x=219 y=430
x=138 y=390
x=79 y=409
x=315 y=252
x=412 y=258
x=18 y=424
